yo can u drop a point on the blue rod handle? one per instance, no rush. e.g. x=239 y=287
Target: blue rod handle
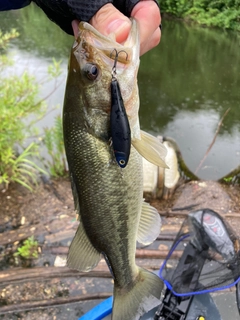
x=102 y=310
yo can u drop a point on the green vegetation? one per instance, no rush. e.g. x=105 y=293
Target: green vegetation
x=228 y=179
x=29 y=249
x=18 y=96
x=17 y=101
x=54 y=142
x=232 y=177
x=217 y=13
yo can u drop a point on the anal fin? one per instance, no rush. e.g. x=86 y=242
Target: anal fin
x=149 y=225
x=151 y=149
x=82 y=255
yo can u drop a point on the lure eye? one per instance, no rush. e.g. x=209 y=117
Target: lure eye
x=91 y=71
x=121 y=159
x=122 y=162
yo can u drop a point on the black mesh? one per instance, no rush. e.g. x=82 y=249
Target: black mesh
x=211 y=256
x=62 y=12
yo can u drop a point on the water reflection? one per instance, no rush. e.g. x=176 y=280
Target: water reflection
x=194 y=132
x=186 y=84
x=38 y=34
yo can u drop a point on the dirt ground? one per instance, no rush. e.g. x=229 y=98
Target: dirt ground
x=45 y=288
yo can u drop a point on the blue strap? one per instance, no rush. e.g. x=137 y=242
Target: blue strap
x=102 y=310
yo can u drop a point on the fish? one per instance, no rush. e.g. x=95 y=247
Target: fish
x=108 y=198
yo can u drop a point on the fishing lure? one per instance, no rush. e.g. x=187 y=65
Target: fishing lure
x=119 y=124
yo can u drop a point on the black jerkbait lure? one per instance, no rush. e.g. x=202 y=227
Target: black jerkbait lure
x=120 y=128
x=119 y=124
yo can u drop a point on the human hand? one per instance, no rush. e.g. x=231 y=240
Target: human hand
x=109 y=20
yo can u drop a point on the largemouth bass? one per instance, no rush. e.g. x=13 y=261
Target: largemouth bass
x=108 y=198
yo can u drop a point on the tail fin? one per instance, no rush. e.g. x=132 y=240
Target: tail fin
x=142 y=297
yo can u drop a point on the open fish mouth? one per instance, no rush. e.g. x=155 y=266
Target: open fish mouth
x=89 y=36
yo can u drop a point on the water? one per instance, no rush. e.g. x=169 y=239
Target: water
x=186 y=84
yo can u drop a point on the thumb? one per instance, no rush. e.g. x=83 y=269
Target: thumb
x=109 y=20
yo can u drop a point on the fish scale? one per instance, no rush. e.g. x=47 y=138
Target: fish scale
x=108 y=187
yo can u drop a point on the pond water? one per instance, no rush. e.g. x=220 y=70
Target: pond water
x=186 y=84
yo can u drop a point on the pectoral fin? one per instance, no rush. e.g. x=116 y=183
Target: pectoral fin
x=149 y=225
x=82 y=255
x=151 y=149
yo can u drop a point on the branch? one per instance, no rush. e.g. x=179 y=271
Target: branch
x=213 y=141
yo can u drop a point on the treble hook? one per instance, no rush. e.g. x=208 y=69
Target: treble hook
x=116 y=60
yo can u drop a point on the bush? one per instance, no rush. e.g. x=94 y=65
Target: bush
x=17 y=101
x=53 y=140
x=29 y=249
x=217 y=13
x=177 y=8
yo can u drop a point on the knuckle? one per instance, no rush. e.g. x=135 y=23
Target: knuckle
x=102 y=14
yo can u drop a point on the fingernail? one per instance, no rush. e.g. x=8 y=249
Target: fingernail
x=116 y=26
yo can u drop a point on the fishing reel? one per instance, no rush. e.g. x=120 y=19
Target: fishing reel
x=173 y=307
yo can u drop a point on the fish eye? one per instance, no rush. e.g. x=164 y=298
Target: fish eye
x=91 y=71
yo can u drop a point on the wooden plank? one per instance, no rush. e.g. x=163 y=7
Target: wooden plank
x=140 y=253
x=42 y=273
x=149 y=259
x=25 y=306
x=53 y=226
x=184 y=214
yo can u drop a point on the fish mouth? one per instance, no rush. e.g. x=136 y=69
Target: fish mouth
x=124 y=53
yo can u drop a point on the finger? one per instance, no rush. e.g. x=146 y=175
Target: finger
x=109 y=20
x=75 y=24
x=152 y=42
x=148 y=15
